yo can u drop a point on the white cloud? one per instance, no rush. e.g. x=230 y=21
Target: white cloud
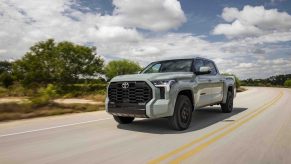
x=245 y=65
x=279 y=61
x=2 y=51
x=255 y=35
x=149 y=51
x=236 y=29
x=170 y=45
x=114 y=33
x=229 y=14
x=252 y=21
x=156 y=15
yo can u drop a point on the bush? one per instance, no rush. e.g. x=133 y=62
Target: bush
x=287 y=83
x=3 y=91
x=45 y=96
x=17 y=90
x=40 y=101
x=121 y=67
x=50 y=91
x=6 y=79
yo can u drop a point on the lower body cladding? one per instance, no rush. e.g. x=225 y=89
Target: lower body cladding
x=155 y=108
x=127 y=110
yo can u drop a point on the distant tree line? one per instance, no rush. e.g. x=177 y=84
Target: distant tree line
x=278 y=80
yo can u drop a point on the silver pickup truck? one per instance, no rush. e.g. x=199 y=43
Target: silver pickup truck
x=171 y=89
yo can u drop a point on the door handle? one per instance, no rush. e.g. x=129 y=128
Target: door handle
x=209 y=80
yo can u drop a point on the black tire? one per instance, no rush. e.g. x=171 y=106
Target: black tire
x=123 y=120
x=182 y=116
x=228 y=105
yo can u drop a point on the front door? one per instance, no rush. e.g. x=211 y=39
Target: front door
x=204 y=86
x=216 y=82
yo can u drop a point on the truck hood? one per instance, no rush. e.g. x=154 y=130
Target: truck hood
x=154 y=76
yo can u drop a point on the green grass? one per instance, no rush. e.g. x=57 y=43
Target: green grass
x=15 y=111
x=17 y=91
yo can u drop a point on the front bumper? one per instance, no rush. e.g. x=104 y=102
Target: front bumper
x=153 y=109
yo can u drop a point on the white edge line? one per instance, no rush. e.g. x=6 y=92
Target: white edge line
x=54 y=127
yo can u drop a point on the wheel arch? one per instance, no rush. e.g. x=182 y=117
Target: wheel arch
x=228 y=88
x=189 y=94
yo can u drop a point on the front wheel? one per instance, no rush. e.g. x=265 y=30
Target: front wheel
x=182 y=116
x=123 y=120
x=228 y=105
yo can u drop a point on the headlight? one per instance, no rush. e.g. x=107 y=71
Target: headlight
x=164 y=86
x=164 y=83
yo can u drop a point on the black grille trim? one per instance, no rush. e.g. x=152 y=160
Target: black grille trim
x=138 y=92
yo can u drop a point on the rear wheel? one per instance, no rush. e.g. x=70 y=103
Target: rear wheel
x=123 y=120
x=228 y=105
x=182 y=116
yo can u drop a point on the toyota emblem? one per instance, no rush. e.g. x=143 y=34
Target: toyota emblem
x=125 y=85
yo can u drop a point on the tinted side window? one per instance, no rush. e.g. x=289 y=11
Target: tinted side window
x=176 y=66
x=198 y=63
x=212 y=67
x=154 y=69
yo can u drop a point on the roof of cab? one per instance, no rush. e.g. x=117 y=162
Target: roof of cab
x=183 y=59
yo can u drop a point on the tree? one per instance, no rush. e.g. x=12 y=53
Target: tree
x=121 y=67
x=61 y=63
x=6 y=78
x=237 y=80
x=5 y=66
x=287 y=83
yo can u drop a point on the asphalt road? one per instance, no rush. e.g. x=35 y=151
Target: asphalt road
x=257 y=131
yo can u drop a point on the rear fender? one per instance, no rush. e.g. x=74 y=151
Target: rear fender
x=228 y=83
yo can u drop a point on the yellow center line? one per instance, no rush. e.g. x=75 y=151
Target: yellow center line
x=178 y=150
x=216 y=138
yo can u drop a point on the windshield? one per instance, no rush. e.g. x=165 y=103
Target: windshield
x=183 y=65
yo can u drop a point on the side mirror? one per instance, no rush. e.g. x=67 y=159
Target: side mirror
x=203 y=71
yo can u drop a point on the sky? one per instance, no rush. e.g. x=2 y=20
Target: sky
x=250 y=38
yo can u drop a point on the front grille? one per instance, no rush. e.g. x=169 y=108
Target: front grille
x=138 y=92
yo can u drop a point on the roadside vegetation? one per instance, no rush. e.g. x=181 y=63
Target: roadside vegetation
x=273 y=81
x=287 y=83
x=50 y=71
